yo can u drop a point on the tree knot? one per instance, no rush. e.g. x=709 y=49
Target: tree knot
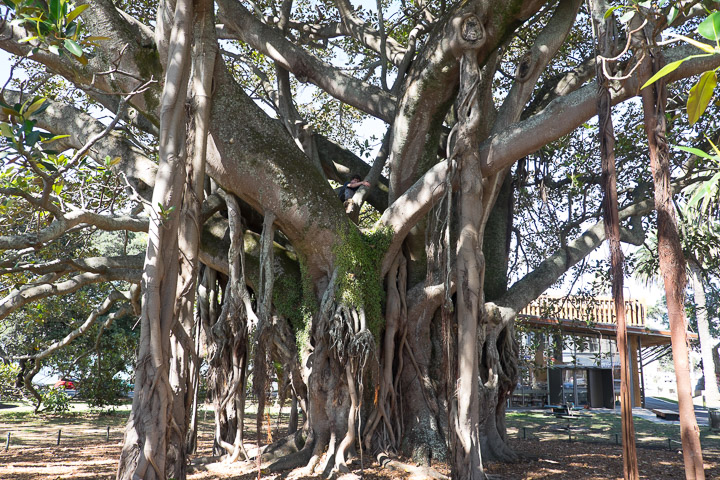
x=472 y=30
x=469 y=34
x=524 y=68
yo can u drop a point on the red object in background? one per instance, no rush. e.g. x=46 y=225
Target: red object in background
x=66 y=384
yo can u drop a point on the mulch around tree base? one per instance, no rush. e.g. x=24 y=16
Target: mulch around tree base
x=546 y=460
x=559 y=460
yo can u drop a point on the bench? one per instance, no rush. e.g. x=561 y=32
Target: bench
x=666 y=414
x=561 y=410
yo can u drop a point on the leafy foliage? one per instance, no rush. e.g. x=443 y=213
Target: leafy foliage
x=55 y=24
x=358 y=260
x=8 y=376
x=100 y=391
x=55 y=400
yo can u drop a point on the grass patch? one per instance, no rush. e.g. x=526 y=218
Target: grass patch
x=601 y=427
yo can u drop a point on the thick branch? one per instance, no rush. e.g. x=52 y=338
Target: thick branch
x=32 y=292
x=271 y=42
x=89 y=322
x=93 y=264
x=61 y=225
x=544 y=275
x=523 y=138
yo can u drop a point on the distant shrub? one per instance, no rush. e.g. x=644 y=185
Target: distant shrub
x=101 y=392
x=8 y=377
x=55 y=400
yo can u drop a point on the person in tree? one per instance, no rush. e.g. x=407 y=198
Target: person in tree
x=349 y=188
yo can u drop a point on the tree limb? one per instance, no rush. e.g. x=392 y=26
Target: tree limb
x=32 y=292
x=367 y=35
x=89 y=322
x=367 y=98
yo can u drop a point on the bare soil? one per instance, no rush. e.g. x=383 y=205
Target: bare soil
x=85 y=452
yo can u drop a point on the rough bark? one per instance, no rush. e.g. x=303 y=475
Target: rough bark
x=672 y=261
x=605 y=38
x=155 y=439
x=712 y=395
x=464 y=398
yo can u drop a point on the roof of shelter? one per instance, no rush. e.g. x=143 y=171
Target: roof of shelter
x=592 y=316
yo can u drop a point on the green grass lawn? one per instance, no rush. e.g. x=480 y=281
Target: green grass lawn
x=585 y=427
x=600 y=427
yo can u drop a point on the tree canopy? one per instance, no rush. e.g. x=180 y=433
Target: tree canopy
x=222 y=129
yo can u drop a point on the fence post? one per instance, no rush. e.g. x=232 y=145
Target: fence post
x=59 y=435
x=617 y=441
x=523 y=433
x=669 y=444
x=7 y=443
x=107 y=438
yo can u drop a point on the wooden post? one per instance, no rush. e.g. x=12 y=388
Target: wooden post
x=59 y=435
x=635 y=368
x=7 y=443
x=107 y=438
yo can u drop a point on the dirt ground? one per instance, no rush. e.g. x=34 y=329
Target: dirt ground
x=82 y=459
x=87 y=453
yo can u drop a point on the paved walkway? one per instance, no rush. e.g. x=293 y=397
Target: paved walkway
x=655 y=403
x=651 y=403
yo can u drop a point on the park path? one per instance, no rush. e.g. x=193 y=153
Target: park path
x=653 y=403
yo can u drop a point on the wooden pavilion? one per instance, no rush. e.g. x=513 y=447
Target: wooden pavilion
x=595 y=317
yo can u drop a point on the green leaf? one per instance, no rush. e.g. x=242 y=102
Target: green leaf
x=672 y=15
x=34 y=107
x=627 y=16
x=55 y=10
x=32 y=138
x=52 y=139
x=698 y=152
x=610 y=11
x=28 y=39
x=710 y=27
x=54 y=49
x=95 y=38
x=48 y=166
x=700 y=95
x=74 y=14
x=73 y=47
x=6 y=130
x=57 y=187
x=702 y=46
x=670 y=67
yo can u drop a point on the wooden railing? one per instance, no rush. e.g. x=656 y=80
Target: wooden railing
x=579 y=309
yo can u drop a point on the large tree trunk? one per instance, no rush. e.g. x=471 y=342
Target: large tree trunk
x=712 y=395
x=672 y=261
x=464 y=398
x=155 y=439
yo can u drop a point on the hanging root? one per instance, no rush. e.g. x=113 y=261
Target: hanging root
x=386 y=404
